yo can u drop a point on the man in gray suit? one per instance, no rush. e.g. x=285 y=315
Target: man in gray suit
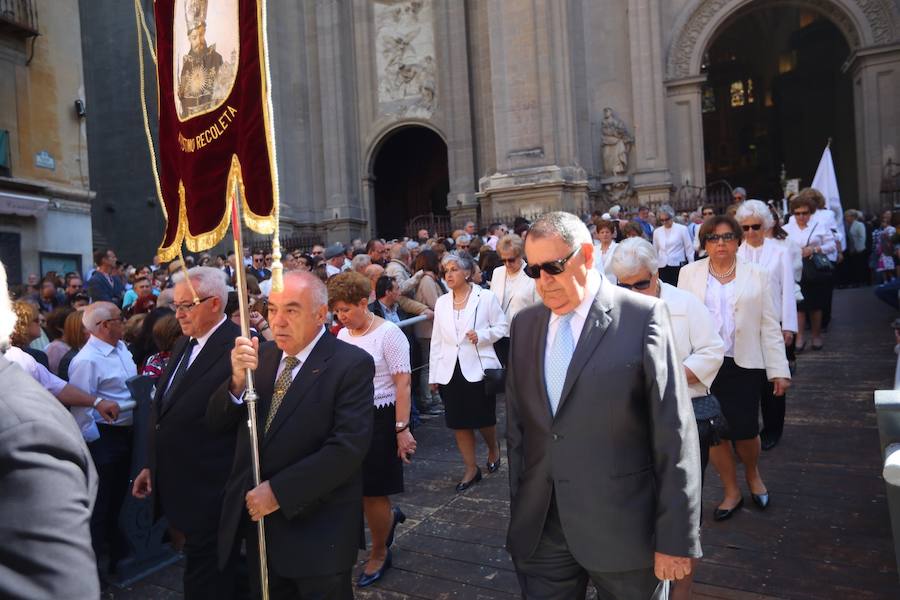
x=47 y=488
x=604 y=463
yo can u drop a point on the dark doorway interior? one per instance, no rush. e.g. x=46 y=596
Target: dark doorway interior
x=411 y=179
x=774 y=95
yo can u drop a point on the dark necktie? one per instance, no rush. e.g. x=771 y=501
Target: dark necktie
x=179 y=372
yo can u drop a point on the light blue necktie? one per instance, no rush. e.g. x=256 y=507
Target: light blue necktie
x=558 y=360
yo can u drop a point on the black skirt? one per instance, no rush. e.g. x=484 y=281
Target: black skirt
x=466 y=404
x=816 y=296
x=739 y=391
x=382 y=468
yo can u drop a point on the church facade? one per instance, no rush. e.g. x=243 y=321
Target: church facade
x=389 y=110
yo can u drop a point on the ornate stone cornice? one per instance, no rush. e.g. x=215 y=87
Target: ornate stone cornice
x=863 y=22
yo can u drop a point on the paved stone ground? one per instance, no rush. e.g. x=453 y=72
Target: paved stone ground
x=825 y=536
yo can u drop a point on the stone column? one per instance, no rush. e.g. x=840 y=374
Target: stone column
x=534 y=122
x=876 y=88
x=685 y=140
x=342 y=217
x=651 y=178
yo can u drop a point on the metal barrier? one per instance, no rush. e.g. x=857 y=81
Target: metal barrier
x=887 y=412
x=147 y=552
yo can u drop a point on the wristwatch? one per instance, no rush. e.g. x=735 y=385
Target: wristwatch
x=401 y=426
x=97 y=401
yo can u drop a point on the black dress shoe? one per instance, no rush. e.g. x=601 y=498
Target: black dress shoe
x=769 y=441
x=760 y=500
x=493 y=467
x=399 y=517
x=464 y=485
x=723 y=514
x=367 y=579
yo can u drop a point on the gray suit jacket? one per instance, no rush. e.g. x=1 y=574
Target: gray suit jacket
x=622 y=452
x=47 y=490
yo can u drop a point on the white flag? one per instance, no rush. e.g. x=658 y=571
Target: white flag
x=826 y=182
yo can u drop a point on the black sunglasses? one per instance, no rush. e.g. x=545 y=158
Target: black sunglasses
x=643 y=284
x=553 y=267
x=754 y=227
x=723 y=237
x=800 y=213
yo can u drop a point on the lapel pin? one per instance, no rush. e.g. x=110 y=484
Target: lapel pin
x=315 y=371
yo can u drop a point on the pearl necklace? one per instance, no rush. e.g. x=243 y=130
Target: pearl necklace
x=461 y=303
x=725 y=275
x=372 y=320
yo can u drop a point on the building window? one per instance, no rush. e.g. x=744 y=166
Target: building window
x=61 y=263
x=5 y=166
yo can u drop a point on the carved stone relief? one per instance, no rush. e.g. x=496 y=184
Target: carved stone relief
x=404 y=50
x=617 y=142
x=882 y=23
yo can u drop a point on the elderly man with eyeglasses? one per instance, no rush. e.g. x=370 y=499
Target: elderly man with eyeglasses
x=101 y=368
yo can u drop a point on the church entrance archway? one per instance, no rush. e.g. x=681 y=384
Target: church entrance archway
x=411 y=178
x=775 y=93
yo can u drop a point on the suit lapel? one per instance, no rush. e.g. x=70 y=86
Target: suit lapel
x=215 y=346
x=539 y=347
x=264 y=378
x=174 y=359
x=469 y=313
x=306 y=380
x=595 y=327
x=741 y=275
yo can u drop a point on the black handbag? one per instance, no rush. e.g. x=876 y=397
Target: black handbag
x=711 y=423
x=816 y=267
x=494 y=379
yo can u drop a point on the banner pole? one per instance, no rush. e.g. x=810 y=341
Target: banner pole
x=250 y=397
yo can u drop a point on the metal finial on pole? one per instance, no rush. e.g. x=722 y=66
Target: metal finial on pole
x=250 y=397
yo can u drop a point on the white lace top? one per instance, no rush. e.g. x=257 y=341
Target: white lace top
x=720 y=300
x=390 y=350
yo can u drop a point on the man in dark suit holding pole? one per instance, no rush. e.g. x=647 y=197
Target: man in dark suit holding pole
x=604 y=463
x=187 y=462
x=315 y=415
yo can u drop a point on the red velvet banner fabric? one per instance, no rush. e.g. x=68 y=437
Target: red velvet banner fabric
x=213 y=126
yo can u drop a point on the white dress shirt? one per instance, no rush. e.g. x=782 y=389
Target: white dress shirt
x=674 y=246
x=825 y=219
x=720 y=300
x=102 y=370
x=201 y=341
x=814 y=234
x=602 y=259
x=594 y=280
x=38 y=372
x=301 y=357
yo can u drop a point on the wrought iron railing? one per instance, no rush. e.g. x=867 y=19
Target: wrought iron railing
x=19 y=15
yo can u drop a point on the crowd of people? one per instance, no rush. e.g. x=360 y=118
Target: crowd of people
x=672 y=332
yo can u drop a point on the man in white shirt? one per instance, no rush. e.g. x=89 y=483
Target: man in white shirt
x=101 y=368
x=673 y=244
x=334 y=260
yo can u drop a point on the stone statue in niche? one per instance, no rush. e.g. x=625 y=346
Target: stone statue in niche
x=405 y=61
x=617 y=142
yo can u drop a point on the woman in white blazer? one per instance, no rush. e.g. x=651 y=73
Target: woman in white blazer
x=697 y=343
x=467 y=323
x=761 y=248
x=738 y=297
x=514 y=289
x=674 y=247
x=604 y=233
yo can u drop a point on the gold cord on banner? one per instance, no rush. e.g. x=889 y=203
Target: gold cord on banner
x=277 y=267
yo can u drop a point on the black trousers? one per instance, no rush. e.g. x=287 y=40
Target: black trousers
x=552 y=573
x=112 y=458
x=202 y=578
x=326 y=587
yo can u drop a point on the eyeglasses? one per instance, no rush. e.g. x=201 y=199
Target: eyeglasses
x=801 y=213
x=318 y=252
x=708 y=213
x=553 y=267
x=187 y=307
x=721 y=237
x=754 y=227
x=643 y=284
x=118 y=319
x=510 y=261
x=661 y=220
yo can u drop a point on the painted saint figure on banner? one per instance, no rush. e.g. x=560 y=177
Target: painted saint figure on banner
x=204 y=77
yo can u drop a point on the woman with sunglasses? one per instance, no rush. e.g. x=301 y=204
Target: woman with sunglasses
x=808 y=234
x=514 y=289
x=738 y=297
x=467 y=323
x=673 y=244
x=761 y=248
x=699 y=347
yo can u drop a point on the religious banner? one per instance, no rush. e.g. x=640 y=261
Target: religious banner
x=215 y=134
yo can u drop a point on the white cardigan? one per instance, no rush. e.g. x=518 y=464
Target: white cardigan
x=449 y=342
x=697 y=342
x=522 y=291
x=758 y=343
x=776 y=259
